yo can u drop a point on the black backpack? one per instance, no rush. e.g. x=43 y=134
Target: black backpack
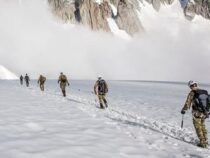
x=27 y=78
x=63 y=78
x=102 y=88
x=202 y=101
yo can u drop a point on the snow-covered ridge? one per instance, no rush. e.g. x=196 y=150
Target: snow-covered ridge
x=126 y=13
x=5 y=74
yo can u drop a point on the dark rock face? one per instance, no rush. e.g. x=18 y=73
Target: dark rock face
x=94 y=14
x=197 y=7
x=127 y=18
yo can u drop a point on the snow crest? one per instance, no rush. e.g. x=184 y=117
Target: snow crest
x=5 y=74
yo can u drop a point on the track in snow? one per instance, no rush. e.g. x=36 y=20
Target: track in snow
x=130 y=119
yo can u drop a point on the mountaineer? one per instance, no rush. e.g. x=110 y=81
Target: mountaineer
x=199 y=100
x=63 y=82
x=101 y=89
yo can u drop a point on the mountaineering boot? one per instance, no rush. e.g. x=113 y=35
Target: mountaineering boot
x=101 y=106
x=106 y=105
x=206 y=142
x=105 y=102
x=202 y=144
x=64 y=93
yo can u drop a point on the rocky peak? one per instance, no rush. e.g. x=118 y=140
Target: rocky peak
x=96 y=14
x=196 y=7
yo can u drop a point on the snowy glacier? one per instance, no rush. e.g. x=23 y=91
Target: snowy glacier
x=143 y=120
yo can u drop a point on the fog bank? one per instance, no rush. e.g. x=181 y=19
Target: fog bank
x=33 y=41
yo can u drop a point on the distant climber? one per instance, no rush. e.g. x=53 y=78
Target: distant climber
x=27 y=79
x=21 y=80
x=63 y=82
x=101 y=89
x=199 y=100
x=41 y=82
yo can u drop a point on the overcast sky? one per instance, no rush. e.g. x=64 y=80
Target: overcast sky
x=33 y=41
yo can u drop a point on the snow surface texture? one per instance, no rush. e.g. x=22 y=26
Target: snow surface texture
x=6 y=74
x=143 y=120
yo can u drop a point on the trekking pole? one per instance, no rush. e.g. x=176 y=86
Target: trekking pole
x=182 y=123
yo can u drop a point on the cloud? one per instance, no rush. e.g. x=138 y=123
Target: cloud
x=33 y=41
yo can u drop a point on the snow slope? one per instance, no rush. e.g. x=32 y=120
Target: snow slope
x=169 y=18
x=116 y=31
x=36 y=124
x=6 y=74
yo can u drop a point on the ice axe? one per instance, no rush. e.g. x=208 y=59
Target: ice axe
x=182 y=123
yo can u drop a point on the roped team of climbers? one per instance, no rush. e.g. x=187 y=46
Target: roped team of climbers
x=100 y=87
x=198 y=99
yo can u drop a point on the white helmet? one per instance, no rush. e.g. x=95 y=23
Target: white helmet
x=191 y=83
x=99 y=77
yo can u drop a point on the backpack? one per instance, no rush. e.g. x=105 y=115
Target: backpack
x=42 y=79
x=63 y=78
x=27 y=78
x=102 y=88
x=202 y=101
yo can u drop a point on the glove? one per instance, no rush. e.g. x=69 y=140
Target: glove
x=183 y=112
